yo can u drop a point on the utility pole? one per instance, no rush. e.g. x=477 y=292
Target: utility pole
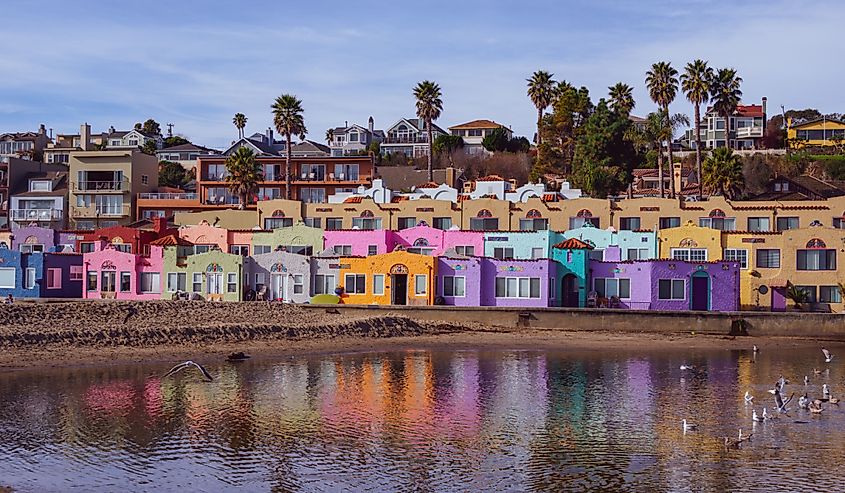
x=783 y=124
x=169 y=130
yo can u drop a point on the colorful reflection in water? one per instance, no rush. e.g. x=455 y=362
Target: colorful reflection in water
x=421 y=420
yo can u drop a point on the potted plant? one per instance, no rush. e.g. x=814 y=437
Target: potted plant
x=797 y=296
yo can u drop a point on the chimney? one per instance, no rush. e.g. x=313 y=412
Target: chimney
x=269 y=136
x=345 y=123
x=450 y=177
x=764 y=113
x=85 y=137
x=42 y=130
x=160 y=225
x=371 y=124
x=111 y=129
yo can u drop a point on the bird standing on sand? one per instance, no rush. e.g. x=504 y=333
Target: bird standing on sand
x=806 y=380
x=749 y=399
x=827 y=356
x=688 y=426
x=687 y=367
x=188 y=364
x=826 y=391
x=804 y=401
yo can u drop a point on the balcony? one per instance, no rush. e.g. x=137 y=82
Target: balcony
x=215 y=177
x=169 y=196
x=421 y=138
x=100 y=211
x=749 y=132
x=36 y=215
x=102 y=186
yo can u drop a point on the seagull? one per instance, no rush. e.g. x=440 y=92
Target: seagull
x=755 y=349
x=766 y=415
x=687 y=367
x=688 y=426
x=806 y=380
x=804 y=401
x=780 y=402
x=816 y=408
x=756 y=417
x=749 y=399
x=827 y=356
x=737 y=442
x=826 y=391
x=816 y=371
x=188 y=364
x=782 y=383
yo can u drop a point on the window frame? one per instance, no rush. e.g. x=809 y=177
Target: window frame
x=417 y=285
x=673 y=283
x=452 y=282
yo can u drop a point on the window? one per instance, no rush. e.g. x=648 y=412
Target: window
x=785 y=223
x=40 y=186
x=91 y=285
x=202 y=248
x=637 y=254
x=75 y=273
x=816 y=259
x=528 y=224
x=580 y=222
x=484 y=224
x=355 y=283
x=278 y=222
x=312 y=222
x=737 y=255
x=151 y=282
x=123 y=247
x=298 y=283
x=517 y=287
x=454 y=286
x=503 y=253
x=232 y=282
x=443 y=223
x=720 y=223
x=54 y=278
x=132 y=142
x=671 y=289
x=689 y=254
x=669 y=222
x=259 y=249
x=606 y=288
x=378 y=284
x=406 y=222
x=768 y=258
x=829 y=294
x=324 y=284
x=242 y=250
x=811 y=293
x=31 y=248
x=145 y=179
x=312 y=195
x=259 y=280
x=342 y=250
x=467 y=250
x=629 y=223
x=372 y=250
x=537 y=252
x=86 y=247
x=758 y=224
x=125 y=282
x=420 y=284
x=366 y=223
x=29 y=278
x=334 y=223
x=196 y=282
x=176 y=281
x=595 y=254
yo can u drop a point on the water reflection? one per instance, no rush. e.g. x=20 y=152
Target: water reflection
x=419 y=420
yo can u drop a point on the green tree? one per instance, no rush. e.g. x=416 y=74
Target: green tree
x=448 y=144
x=496 y=141
x=171 y=174
x=541 y=91
x=375 y=148
x=429 y=105
x=662 y=83
x=243 y=172
x=560 y=130
x=695 y=82
x=329 y=136
x=649 y=136
x=176 y=140
x=149 y=127
x=149 y=147
x=239 y=120
x=603 y=153
x=621 y=98
x=519 y=144
x=289 y=120
x=722 y=173
x=797 y=295
x=725 y=94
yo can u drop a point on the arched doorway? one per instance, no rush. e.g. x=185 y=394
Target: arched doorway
x=700 y=291
x=399 y=284
x=569 y=291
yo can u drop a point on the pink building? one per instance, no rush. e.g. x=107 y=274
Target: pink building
x=108 y=273
x=204 y=236
x=419 y=239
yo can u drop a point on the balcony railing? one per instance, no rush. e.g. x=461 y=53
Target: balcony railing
x=168 y=196
x=215 y=177
x=101 y=186
x=748 y=132
x=36 y=215
x=421 y=138
x=100 y=211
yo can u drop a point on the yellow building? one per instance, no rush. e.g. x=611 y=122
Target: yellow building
x=395 y=278
x=818 y=132
x=690 y=242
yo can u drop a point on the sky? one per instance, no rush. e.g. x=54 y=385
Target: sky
x=196 y=63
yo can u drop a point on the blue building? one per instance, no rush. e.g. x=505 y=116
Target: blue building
x=21 y=274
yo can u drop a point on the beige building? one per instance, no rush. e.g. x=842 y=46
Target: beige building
x=105 y=184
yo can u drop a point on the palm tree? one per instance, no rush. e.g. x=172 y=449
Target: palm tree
x=662 y=83
x=722 y=173
x=288 y=119
x=622 y=98
x=726 y=95
x=797 y=295
x=243 y=172
x=329 y=136
x=429 y=107
x=240 y=123
x=695 y=82
x=658 y=126
x=541 y=90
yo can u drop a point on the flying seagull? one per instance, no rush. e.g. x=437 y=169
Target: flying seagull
x=781 y=403
x=188 y=364
x=827 y=356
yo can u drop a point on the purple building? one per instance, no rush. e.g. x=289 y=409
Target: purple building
x=62 y=275
x=528 y=283
x=667 y=284
x=459 y=281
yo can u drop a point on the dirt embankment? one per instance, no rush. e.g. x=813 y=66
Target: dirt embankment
x=105 y=324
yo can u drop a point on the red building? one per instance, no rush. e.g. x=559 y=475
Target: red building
x=130 y=239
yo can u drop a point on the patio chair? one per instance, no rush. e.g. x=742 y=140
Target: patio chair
x=262 y=293
x=615 y=302
x=592 y=299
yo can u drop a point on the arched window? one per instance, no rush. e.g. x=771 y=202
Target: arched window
x=214 y=268
x=717 y=213
x=816 y=243
x=278 y=213
x=420 y=242
x=484 y=213
x=366 y=213
x=584 y=213
x=533 y=214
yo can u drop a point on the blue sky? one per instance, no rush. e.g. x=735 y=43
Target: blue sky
x=195 y=64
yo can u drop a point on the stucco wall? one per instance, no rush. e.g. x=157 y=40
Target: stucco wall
x=108 y=259
x=35 y=235
x=63 y=261
x=491 y=269
x=20 y=262
x=382 y=264
x=285 y=264
x=522 y=242
x=470 y=269
x=360 y=240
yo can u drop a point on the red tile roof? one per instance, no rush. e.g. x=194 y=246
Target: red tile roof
x=353 y=200
x=573 y=244
x=550 y=197
x=749 y=110
x=491 y=178
x=171 y=240
x=429 y=184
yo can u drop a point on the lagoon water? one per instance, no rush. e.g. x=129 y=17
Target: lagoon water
x=423 y=421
